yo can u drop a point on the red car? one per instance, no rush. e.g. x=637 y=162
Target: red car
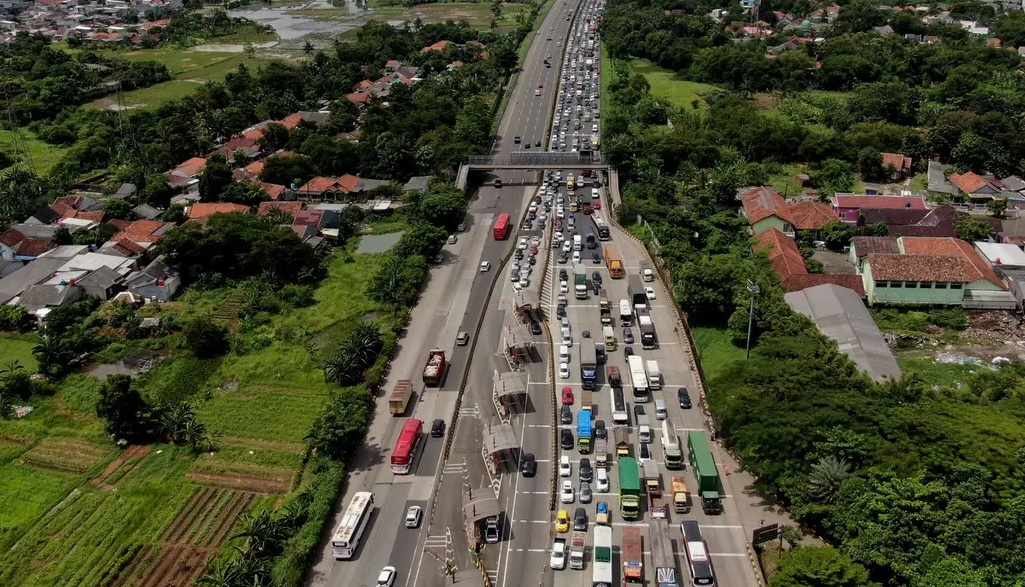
x=567 y=396
x=533 y=249
x=596 y=204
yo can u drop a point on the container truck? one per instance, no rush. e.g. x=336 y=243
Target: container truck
x=576 y=550
x=558 y=558
x=399 y=398
x=584 y=431
x=629 y=489
x=619 y=415
x=653 y=489
x=613 y=262
x=654 y=374
x=660 y=543
x=580 y=281
x=434 y=369
x=588 y=365
x=632 y=553
x=705 y=472
x=613 y=377
x=647 y=328
x=635 y=292
x=681 y=497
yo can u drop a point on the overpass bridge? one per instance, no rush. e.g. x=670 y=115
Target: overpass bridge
x=527 y=161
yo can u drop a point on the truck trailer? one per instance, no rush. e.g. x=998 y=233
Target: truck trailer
x=681 y=497
x=576 y=550
x=705 y=472
x=399 y=398
x=660 y=543
x=653 y=489
x=434 y=369
x=613 y=262
x=632 y=553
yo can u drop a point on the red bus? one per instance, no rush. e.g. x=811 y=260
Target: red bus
x=408 y=443
x=502 y=227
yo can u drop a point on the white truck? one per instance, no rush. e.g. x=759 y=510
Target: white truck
x=654 y=374
x=643 y=429
x=576 y=550
x=558 y=559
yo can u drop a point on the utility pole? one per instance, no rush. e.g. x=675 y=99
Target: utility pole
x=754 y=290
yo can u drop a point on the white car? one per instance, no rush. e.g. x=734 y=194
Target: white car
x=559 y=212
x=517 y=287
x=413 y=516
x=485 y=266
x=565 y=467
x=594 y=128
x=536 y=241
x=522 y=244
x=564 y=370
x=524 y=281
x=563 y=287
x=387 y=576
x=567 y=246
x=602 y=479
x=576 y=260
x=566 y=495
x=650 y=292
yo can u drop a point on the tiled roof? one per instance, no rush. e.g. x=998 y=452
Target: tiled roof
x=898 y=161
x=319 y=185
x=763 y=202
x=144 y=227
x=968 y=182
x=191 y=167
x=858 y=202
x=95 y=215
x=120 y=223
x=349 y=182
x=33 y=247
x=290 y=208
x=204 y=209
x=864 y=245
x=782 y=252
x=929 y=246
x=127 y=245
x=811 y=215
x=291 y=121
x=273 y=190
x=309 y=218
x=358 y=98
x=11 y=237
x=921 y=268
x=439 y=46
x=893 y=215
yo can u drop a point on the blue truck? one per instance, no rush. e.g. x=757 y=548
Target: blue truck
x=584 y=430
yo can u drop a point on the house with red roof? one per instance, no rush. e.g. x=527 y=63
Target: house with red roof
x=290 y=208
x=274 y=191
x=788 y=263
x=896 y=166
x=436 y=47
x=975 y=187
x=848 y=206
x=765 y=208
x=201 y=210
x=249 y=147
x=931 y=271
x=186 y=174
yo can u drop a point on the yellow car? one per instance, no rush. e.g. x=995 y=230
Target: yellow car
x=562 y=521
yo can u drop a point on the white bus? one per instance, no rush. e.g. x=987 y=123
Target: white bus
x=601 y=562
x=638 y=379
x=347 y=535
x=701 y=574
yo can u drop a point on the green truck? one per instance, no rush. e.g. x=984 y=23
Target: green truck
x=629 y=489
x=705 y=471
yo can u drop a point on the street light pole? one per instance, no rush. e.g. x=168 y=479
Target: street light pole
x=754 y=290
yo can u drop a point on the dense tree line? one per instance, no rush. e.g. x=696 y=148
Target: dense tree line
x=915 y=485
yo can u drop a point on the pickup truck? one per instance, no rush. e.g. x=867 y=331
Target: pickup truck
x=558 y=559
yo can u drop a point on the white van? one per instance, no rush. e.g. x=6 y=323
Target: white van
x=660 y=409
x=578 y=242
x=563 y=354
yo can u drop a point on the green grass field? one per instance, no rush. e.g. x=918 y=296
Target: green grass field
x=42 y=155
x=81 y=529
x=715 y=349
x=17 y=347
x=666 y=84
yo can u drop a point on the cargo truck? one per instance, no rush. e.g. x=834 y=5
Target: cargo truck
x=558 y=558
x=580 y=281
x=613 y=377
x=653 y=489
x=635 y=292
x=661 y=546
x=399 y=398
x=673 y=455
x=632 y=553
x=588 y=365
x=621 y=436
x=613 y=262
x=705 y=472
x=654 y=374
x=619 y=415
x=681 y=497
x=603 y=308
x=601 y=453
x=584 y=431
x=434 y=369
x=647 y=328
x=576 y=550
x=629 y=489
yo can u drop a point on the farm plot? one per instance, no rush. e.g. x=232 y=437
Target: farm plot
x=11 y=447
x=71 y=455
x=201 y=526
x=278 y=414
x=120 y=466
x=244 y=476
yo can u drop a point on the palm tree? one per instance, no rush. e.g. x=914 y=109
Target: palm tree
x=7 y=411
x=825 y=478
x=308 y=48
x=365 y=342
x=341 y=368
x=174 y=420
x=52 y=353
x=263 y=532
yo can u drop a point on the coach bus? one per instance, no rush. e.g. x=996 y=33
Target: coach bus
x=347 y=535
x=409 y=442
x=501 y=230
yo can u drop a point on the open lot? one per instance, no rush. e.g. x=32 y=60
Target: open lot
x=667 y=84
x=85 y=513
x=43 y=155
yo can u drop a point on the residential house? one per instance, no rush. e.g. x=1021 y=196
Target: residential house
x=896 y=166
x=848 y=206
x=186 y=174
x=201 y=210
x=44 y=216
x=290 y=208
x=933 y=271
x=1001 y=256
x=978 y=189
x=438 y=47
x=810 y=215
x=788 y=263
x=135 y=238
x=417 y=183
x=146 y=212
x=157 y=282
x=126 y=191
x=324 y=188
x=863 y=246
x=250 y=172
x=765 y=208
x=248 y=147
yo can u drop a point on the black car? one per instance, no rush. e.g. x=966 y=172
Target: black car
x=599 y=351
x=638 y=410
x=580 y=520
x=644 y=453
x=561 y=310
x=596 y=277
x=628 y=351
x=596 y=257
x=438 y=429
x=585 y=334
x=516 y=140
x=628 y=336
x=684 y=396
x=528 y=465
x=566 y=415
x=535 y=327
x=563 y=275
x=599 y=430
x=518 y=255
x=585 y=469
x=567 y=440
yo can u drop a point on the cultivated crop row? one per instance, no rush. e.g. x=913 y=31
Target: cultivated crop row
x=64 y=454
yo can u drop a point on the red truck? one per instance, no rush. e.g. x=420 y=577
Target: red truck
x=633 y=564
x=612 y=376
x=434 y=370
x=501 y=228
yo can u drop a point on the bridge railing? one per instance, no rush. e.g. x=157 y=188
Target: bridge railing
x=538 y=159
